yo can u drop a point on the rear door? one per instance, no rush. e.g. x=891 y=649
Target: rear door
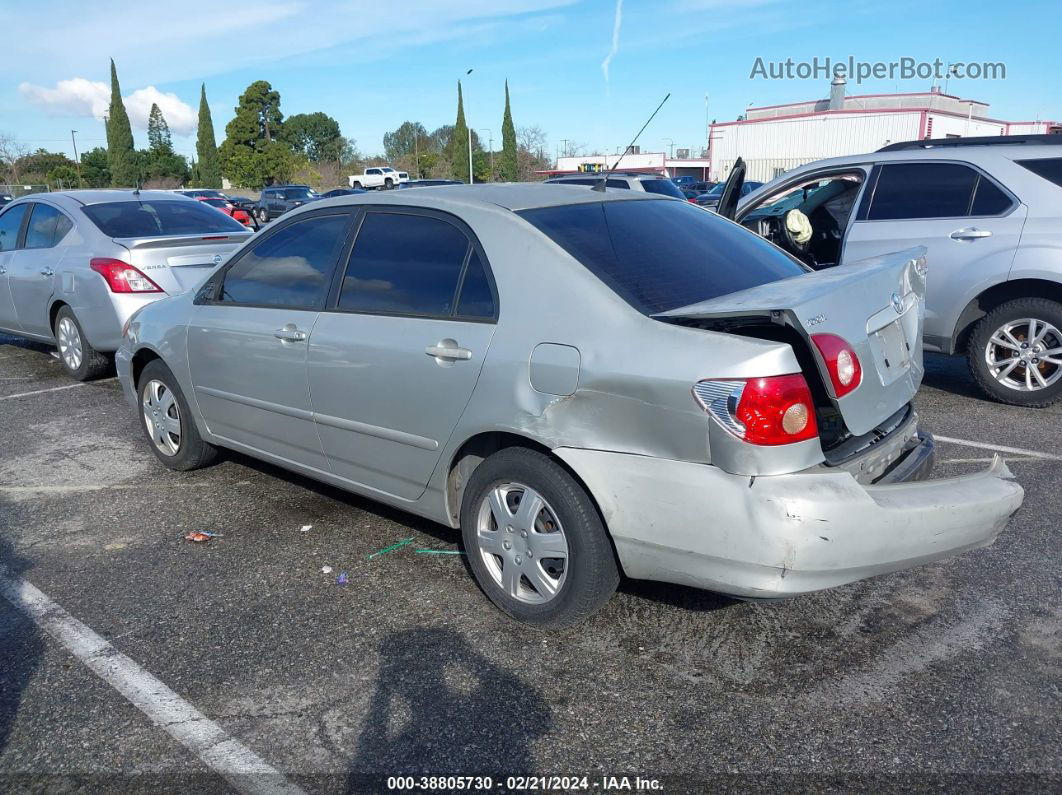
x=968 y=222
x=10 y=228
x=33 y=278
x=395 y=358
x=247 y=338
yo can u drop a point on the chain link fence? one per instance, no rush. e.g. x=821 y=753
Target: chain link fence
x=14 y=191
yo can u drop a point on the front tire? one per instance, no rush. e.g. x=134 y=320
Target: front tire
x=80 y=360
x=388 y=184
x=263 y=215
x=535 y=541
x=1015 y=353
x=168 y=422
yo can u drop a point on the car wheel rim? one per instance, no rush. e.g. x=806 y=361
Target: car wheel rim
x=70 y=348
x=162 y=417
x=522 y=543
x=1025 y=355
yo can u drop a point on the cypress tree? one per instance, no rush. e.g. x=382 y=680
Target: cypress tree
x=120 y=154
x=509 y=169
x=159 y=140
x=206 y=146
x=459 y=141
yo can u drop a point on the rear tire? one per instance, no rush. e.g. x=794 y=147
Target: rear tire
x=548 y=563
x=263 y=215
x=80 y=360
x=1015 y=353
x=356 y=186
x=168 y=422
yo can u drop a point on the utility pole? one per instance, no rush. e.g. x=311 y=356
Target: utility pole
x=490 y=146
x=671 y=145
x=564 y=149
x=77 y=160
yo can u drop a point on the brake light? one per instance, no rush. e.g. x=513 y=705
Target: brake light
x=764 y=411
x=845 y=371
x=122 y=277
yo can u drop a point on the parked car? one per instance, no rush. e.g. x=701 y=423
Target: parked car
x=625 y=180
x=701 y=187
x=989 y=211
x=583 y=382
x=684 y=181
x=203 y=193
x=229 y=209
x=341 y=192
x=383 y=177
x=429 y=183
x=709 y=200
x=6 y=198
x=75 y=265
x=243 y=202
x=278 y=199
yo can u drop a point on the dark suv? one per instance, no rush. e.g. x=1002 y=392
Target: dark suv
x=278 y=199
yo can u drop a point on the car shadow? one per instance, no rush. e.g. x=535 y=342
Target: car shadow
x=678 y=596
x=952 y=375
x=21 y=644
x=442 y=708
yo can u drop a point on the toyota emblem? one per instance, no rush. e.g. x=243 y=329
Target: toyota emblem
x=897 y=303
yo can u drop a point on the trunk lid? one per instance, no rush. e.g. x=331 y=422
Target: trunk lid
x=876 y=305
x=177 y=263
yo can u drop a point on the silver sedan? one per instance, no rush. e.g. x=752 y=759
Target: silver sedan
x=585 y=383
x=75 y=265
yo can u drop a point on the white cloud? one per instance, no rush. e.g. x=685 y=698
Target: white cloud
x=616 y=23
x=81 y=97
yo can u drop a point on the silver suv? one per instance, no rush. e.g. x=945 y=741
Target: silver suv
x=988 y=211
x=625 y=180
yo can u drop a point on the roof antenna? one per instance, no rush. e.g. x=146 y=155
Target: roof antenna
x=600 y=186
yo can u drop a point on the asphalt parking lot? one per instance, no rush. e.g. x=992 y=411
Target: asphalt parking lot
x=945 y=676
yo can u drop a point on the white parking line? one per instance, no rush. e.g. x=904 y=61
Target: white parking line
x=225 y=755
x=998 y=448
x=54 y=389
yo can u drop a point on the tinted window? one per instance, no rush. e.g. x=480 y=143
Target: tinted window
x=290 y=268
x=923 y=190
x=155 y=218
x=47 y=226
x=664 y=187
x=662 y=255
x=404 y=264
x=9 y=226
x=476 y=298
x=1050 y=168
x=989 y=199
x=611 y=183
x=298 y=193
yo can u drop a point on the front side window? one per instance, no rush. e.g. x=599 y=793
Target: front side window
x=47 y=226
x=291 y=268
x=10 y=222
x=158 y=218
x=404 y=264
x=658 y=255
x=908 y=191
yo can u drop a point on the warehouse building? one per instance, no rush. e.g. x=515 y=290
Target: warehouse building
x=634 y=160
x=776 y=138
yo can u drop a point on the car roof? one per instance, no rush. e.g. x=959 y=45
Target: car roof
x=103 y=195
x=973 y=154
x=508 y=195
x=613 y=175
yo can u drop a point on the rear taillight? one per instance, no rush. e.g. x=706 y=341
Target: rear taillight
x=122 y=277
x=845 y=371
x=766 y=411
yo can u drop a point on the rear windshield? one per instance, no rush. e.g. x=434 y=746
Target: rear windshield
x=1050 y=168
x=159 y=218
x=659 y=255
x=664 y=187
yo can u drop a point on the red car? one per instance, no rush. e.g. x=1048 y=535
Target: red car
x=228 y=208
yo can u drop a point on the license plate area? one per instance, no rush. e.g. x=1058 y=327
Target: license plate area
x=891 y=351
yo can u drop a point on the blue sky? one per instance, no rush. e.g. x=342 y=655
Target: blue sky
x=373 y=65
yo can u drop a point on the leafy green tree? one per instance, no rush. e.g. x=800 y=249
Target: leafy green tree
x=254 y=130
x=159 y=139
x=409 y=140
x=95 y=170
x=161 y=169
x=64 y=177
x=509 y=169
x=459 y=141
x=35 y=167
x=208 y=173
x=120 y=153
x=315 y=136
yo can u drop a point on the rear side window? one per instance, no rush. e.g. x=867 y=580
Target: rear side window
x=1050 y=168
x=159 y=218
x=989 y=199
x=659 y=255
x=10 y=222
x=664 y=187
x=47 y=226
x=923 y=190
x=405 y=265
x=292 y=267
x=476 y=299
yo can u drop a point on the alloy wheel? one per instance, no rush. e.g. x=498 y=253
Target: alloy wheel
x=70 y=348
x=522 y=543
x=1025 y=355
x=162 y=417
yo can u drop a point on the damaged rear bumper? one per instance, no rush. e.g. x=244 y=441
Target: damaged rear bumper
x=784 y=535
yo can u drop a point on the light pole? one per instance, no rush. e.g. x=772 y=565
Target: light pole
x=77 y=160
x=671 y=146
x=490 y=147
x=471 y=178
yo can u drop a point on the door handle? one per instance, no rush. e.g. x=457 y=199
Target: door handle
x=970 y=233
x=289 y=334
x=451 y=352
x=47 y=272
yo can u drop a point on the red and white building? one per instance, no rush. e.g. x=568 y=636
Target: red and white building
x=645 y=162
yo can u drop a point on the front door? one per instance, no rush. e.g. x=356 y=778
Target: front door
x=969 y=225
x=10 y=226
x=395 y=358
x=248 y=336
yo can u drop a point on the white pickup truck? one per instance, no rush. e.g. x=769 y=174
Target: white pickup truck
x=378 y=177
